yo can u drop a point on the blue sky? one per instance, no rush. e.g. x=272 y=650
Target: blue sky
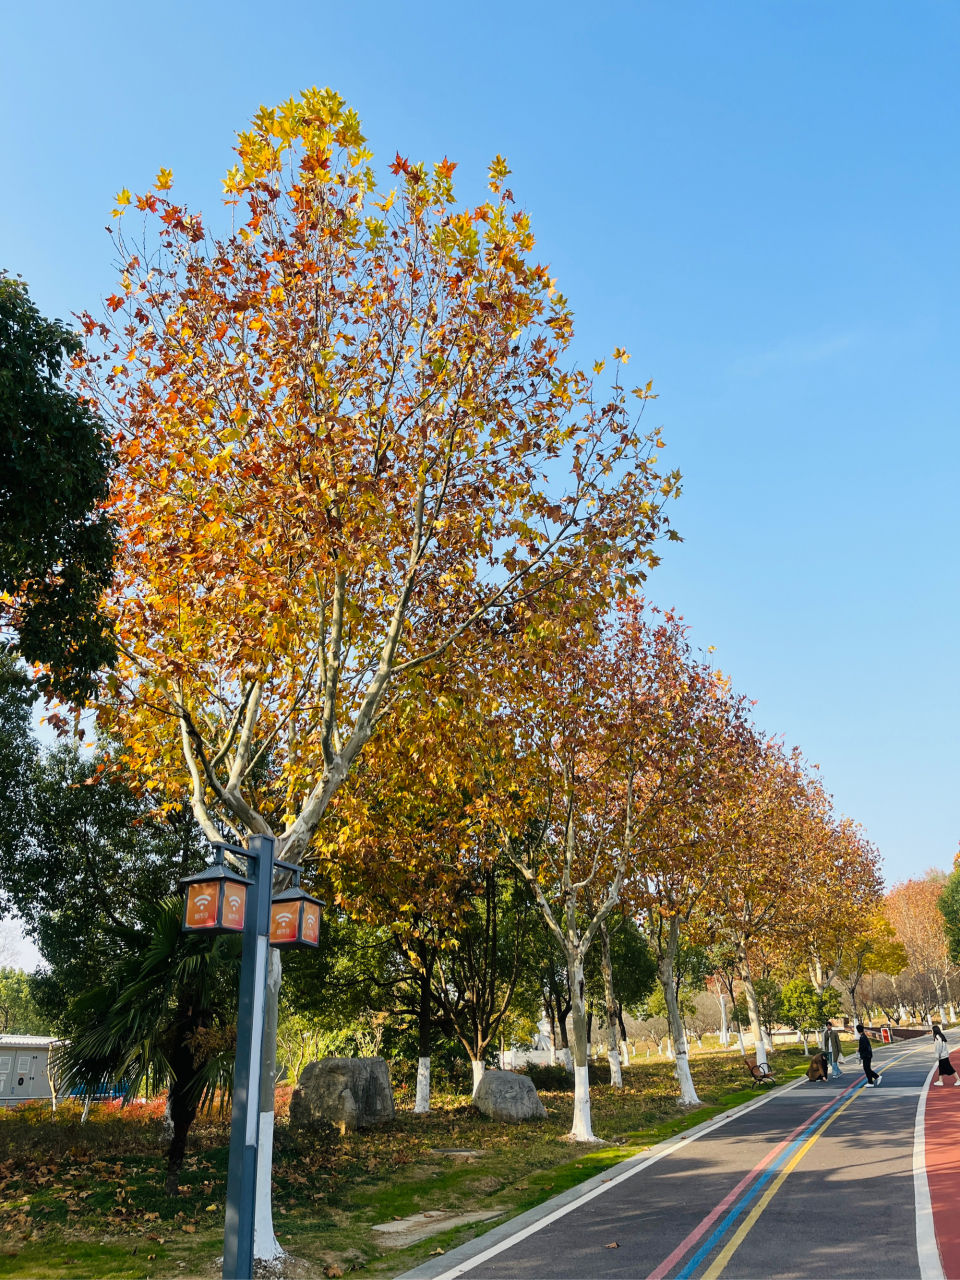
x=759 y=201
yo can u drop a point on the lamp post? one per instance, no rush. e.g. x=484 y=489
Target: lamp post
x=220 y=901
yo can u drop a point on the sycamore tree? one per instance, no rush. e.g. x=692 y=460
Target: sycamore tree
x=871 y=947
x=756 y=893
x=348 y=432
x=912 y=908
x=838 y=889
x=596 y=737
x=682 y=846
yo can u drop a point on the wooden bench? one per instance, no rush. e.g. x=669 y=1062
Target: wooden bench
x=757 y=1074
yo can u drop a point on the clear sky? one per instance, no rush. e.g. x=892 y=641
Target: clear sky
x=759 y=201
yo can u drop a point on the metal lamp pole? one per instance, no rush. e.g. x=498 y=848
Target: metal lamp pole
x=245 y=1121
x=220 y=901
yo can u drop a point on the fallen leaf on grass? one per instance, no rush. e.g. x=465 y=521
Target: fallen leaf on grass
x=436 y=1251
x=189 y=1228
x=151 y=1257
x=211 y=1208
x=151 y=1217
x=333 y=1271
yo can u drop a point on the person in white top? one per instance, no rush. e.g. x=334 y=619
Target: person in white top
x=943 y=1056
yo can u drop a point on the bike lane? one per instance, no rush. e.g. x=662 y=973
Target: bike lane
x=817 y=1181
x=942 y=1158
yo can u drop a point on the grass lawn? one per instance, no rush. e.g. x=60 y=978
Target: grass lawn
x=89 y=1202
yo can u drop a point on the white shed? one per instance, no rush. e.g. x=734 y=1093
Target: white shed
x=24 y=1064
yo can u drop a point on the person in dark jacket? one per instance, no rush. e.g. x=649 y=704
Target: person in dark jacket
x=865 y=1049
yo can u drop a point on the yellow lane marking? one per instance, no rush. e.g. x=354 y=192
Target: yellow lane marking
x=716 y=1268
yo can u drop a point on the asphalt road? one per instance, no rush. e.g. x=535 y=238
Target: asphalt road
x=817 y=1181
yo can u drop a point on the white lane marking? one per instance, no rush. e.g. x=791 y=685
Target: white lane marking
x=642 y=1163
x=931 y=1268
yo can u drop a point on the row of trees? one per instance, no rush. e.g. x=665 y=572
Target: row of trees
x=380 y=547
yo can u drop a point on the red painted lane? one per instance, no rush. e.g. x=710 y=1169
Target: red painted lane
x=684 y=1247
x=942 y=1142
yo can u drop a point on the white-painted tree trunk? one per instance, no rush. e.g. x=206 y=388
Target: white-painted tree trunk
x=86 y=1110
x=616 y=1074
x=553 y=1054
x=625 y=1052
x=753 y=1011
x=582 y=1129
x=266 y=1246
x=688 y=1094
x=724 y=1029
x=612 y=1008
x=478 y=1069
x=422 y=1104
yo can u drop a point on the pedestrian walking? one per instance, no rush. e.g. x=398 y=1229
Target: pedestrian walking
x=943 y=1057
x=865 y=1049
x=831 y=1047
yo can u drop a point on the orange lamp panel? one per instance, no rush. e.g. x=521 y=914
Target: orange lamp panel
x=284 y=921
x=311 y=923
x=202 y=903
x=234 y=902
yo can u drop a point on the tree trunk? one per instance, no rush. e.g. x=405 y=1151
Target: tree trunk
x=265 y=1244
x=422 y=1104
x=553 y=1033
x=625 y=1047
x=724 y=1030
x=753 y=1010
x=582 y=1130
x=478 y=1070
x=183 y=1114
x=688 y=1094
x=613 y=1008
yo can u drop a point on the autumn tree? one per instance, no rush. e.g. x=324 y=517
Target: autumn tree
x=683 y=844
x=871 y=948
x=598 y=731
x=348 y=431
x=912 y=908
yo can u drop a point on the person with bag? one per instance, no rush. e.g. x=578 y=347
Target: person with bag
x=831 y=1047
x=943 y=1057
x=865 y=1049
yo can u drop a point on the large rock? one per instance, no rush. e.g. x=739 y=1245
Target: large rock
x=506 y=1096
x=348 y=1093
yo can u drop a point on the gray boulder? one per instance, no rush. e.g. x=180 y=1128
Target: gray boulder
x=348 y=1093
x=508 y=1097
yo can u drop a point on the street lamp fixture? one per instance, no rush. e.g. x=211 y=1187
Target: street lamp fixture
x=294 y=915
x=216 y=899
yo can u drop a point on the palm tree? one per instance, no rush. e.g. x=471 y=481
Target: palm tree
x=164 y=1018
